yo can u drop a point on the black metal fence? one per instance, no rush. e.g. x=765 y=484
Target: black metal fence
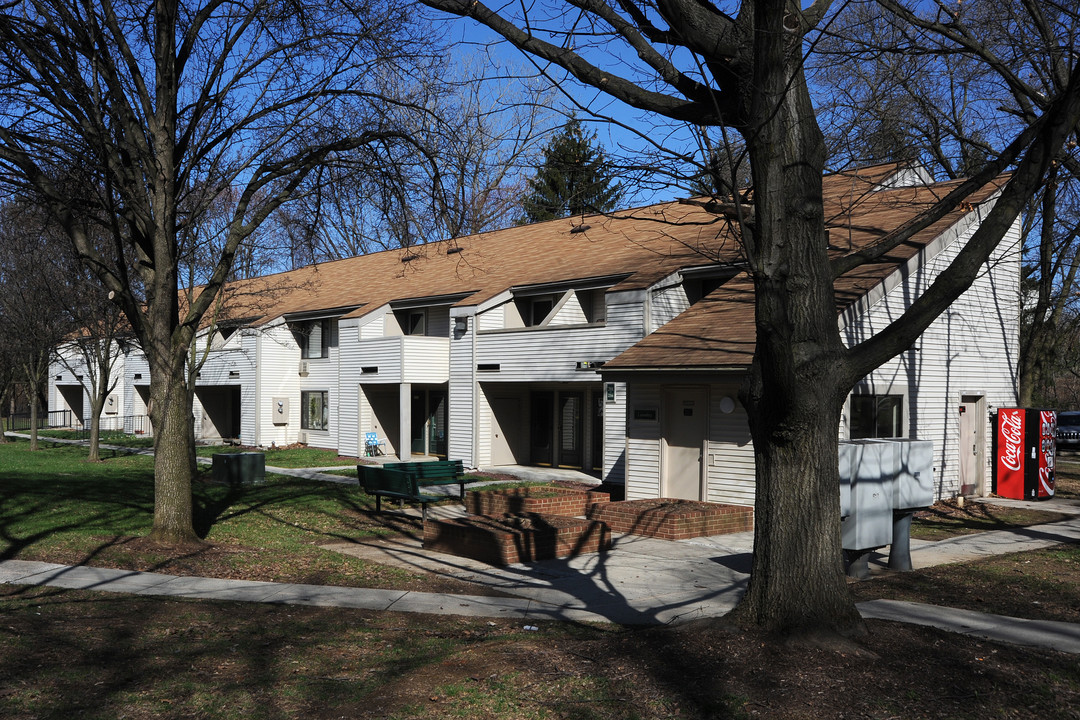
x=21 y=422
x=79 y=429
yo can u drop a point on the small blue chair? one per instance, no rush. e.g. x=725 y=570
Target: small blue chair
x=374 y=445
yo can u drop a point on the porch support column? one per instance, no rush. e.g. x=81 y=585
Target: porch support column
x=405 y=426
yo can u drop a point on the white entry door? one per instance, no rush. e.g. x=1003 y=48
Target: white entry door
x=684 y=441
x=505 y=421
x=972 y=444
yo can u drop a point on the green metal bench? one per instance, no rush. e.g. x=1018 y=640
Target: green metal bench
x=436 y=472
x=402 y=486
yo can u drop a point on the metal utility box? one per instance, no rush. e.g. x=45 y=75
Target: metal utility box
x=847 y=456
x=915 y=475
x=238 y=468
x=872 y=475
x=279 y=410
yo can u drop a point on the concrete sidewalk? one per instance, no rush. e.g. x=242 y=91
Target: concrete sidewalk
x=641 y=581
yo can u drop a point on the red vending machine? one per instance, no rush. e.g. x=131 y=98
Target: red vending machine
x=1024 y=448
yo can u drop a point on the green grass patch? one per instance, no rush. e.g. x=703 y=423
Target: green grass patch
x=946 y=519
x=295 y=457
x=56 y=506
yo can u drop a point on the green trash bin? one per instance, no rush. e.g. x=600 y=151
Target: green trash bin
x=239 y=468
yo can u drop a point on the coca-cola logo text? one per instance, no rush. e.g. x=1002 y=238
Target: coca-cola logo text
x=1012 y=435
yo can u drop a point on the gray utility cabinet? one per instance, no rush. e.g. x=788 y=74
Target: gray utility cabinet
x=869 y=470
x=238 y=468
x=882 y=482
x=915 y=475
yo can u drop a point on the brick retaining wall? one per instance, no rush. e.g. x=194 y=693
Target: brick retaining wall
x=673 y=519
x=514 y=539
x=542 y=499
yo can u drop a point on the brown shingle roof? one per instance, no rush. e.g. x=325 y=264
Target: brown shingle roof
x=719 y=331
x=644 y=244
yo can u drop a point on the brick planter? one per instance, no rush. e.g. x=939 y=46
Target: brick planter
x=518 y=538
x=539 y=499
x=673 y=519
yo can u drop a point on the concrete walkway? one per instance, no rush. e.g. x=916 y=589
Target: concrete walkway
x=640 y=581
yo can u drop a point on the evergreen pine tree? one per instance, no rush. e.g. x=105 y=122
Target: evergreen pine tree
x=575 y=178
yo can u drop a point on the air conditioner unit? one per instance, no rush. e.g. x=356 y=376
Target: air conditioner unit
x=301 y=437
x=303 y=368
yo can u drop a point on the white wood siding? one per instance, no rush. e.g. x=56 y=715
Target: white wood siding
x=461 y=394
x=729 y=457
x=971 y=349
x=551 y=354
x=665 y=304
x=614 y=465
x=643 y=443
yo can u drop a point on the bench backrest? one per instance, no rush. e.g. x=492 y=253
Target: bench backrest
x=403 y=466
x=368 y=476
x=433 y=469
x=374 y=478
x=396 y=481
x=440 y=468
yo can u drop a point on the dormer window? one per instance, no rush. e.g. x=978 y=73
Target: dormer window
x=415 y=323
x=537 y=309
x=313 y=336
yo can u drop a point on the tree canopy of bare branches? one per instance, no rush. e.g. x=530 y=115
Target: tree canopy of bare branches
x=739 y=68
x=142 y=119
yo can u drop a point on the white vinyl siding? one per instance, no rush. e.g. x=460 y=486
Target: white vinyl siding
x=665 y=304
x=552 y=354
x=278 y=373
x=643 y=443
x=970 y=349
x=462 y=392
x=570 y=312
x=614 y=466
x=729 y=455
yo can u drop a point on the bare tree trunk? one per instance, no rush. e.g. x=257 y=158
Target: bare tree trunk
x=96 y=406
x=170 y=414
x=793 y=393
x=33 y=418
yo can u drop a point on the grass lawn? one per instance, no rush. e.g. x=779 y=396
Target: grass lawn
x=56 y=506
x=67 y=654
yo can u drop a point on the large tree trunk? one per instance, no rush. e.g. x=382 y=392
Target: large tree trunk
x=33 y=418
x=793 y=392
x=96 y=406
x=170 y=413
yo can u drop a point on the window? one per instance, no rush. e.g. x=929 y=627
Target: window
x=314 y=410
x=534 y=309
x=538 y=309
x=877 y=416
x=314 y=338
x=414 y=324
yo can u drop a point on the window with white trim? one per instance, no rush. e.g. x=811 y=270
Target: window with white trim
x=314 y=410
x=877 y=416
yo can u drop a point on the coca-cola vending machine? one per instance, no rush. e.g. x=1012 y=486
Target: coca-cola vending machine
x=1024 y=448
